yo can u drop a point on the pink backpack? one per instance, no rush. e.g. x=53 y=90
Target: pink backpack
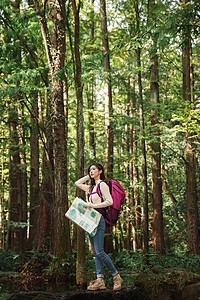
x=118 y=194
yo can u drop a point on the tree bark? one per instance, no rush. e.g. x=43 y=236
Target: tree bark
x=157 y=232
x=14 y=200
x=2 y=210
x=108 y=110
x=144 y=162
x=108 y=93
x=17 y=203
x=44 y=238
x=145 y=220
x=55 y=45
x=136 y=211
x=24 y=190
x=34 y=176
x=193 y=233
x=80 y=262
x=128 y=194
x=91 y=94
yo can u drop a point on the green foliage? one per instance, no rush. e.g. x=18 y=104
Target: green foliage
x=188 y=263
x=135 y=268
x=131 y=264
x=39 y=264
x=9 y=261
x=66 y=268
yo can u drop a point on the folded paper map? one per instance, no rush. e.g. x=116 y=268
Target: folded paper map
x=87 y=218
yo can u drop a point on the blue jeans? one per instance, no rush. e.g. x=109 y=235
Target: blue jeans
x=101 y=257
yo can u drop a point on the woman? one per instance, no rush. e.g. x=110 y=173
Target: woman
x=96 y=176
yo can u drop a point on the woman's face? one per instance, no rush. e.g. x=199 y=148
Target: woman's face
x=95 y=172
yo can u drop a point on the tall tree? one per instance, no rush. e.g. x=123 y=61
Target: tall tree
x=108 y=110
x=80 y=263
x=14 y=183
x=136 y=210
x=2 y=209
x=55 y=45
x=143 y=142
x=157 y=232
x=107 y=91
x=45 y=219
x=193 y=234
x=34 y=176
x=128 y=194
x=17 y=161
x=91 y=93
x=23 y=190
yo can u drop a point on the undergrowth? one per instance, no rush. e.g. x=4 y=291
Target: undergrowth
x=129 y=265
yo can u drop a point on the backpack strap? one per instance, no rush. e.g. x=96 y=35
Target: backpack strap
x=98 y=191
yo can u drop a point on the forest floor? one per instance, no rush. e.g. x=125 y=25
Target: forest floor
x=158 y=285
x=40 y=278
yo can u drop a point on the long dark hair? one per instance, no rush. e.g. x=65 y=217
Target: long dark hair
x=100 y=168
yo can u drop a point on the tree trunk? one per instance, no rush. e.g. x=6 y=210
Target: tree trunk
x=23 y=197
x=190 y=148
x=80 y=262
x=91 y=94
x=61 y=224
x=17 y=202
x=34 y=176
x=128 y=194
x=157 y=233
x=14 y=200
x=143 y=149
x=2 y=209
x=136 y=211
x=45 y=226
x=91 y=121
x=108 y=110
x=144 y=163
x=55 y=45
x=108 y=93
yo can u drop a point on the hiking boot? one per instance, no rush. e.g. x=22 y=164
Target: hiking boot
x=97 y=284
x=117 y=283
